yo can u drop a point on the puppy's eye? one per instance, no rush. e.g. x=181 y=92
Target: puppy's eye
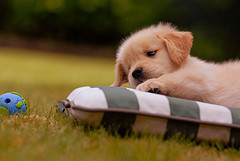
x=152 y=53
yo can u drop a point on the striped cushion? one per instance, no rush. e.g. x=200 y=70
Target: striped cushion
x=136 y=111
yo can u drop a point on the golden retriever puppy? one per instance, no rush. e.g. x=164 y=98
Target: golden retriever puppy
x=157 y=59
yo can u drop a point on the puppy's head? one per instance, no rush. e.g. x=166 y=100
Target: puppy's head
x=150 y=53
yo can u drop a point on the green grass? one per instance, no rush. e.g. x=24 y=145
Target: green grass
x=44 y=78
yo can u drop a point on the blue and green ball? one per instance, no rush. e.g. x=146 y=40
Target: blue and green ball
x=12 y=103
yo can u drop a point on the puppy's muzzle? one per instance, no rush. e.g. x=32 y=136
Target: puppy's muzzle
x=137 y=73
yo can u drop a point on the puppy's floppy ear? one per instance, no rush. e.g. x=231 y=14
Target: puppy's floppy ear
x=120 y=75
x=178 y=45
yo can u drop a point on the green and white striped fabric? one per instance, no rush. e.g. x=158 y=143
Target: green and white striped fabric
x=138 y=112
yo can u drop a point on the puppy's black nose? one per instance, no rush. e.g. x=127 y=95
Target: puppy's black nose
x=137 y=73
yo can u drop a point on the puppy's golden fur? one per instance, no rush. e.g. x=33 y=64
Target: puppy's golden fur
x=162 y=53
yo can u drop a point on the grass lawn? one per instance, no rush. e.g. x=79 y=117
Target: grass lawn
x=44 y=78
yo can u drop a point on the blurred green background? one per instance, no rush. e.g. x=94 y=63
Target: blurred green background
x=214 y=23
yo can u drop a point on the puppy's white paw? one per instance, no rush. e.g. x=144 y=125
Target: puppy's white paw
x=153 y=86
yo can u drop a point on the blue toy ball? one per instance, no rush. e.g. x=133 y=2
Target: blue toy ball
x=12 y=103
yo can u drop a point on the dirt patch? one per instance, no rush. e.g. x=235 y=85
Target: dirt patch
x=53 y=46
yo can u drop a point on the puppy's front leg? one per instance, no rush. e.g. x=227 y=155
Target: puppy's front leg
x=156 y=85
x=182 y=85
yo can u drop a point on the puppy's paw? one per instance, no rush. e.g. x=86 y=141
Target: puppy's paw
x=153 y=86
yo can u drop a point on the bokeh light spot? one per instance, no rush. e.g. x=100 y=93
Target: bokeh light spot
x=53 y=4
